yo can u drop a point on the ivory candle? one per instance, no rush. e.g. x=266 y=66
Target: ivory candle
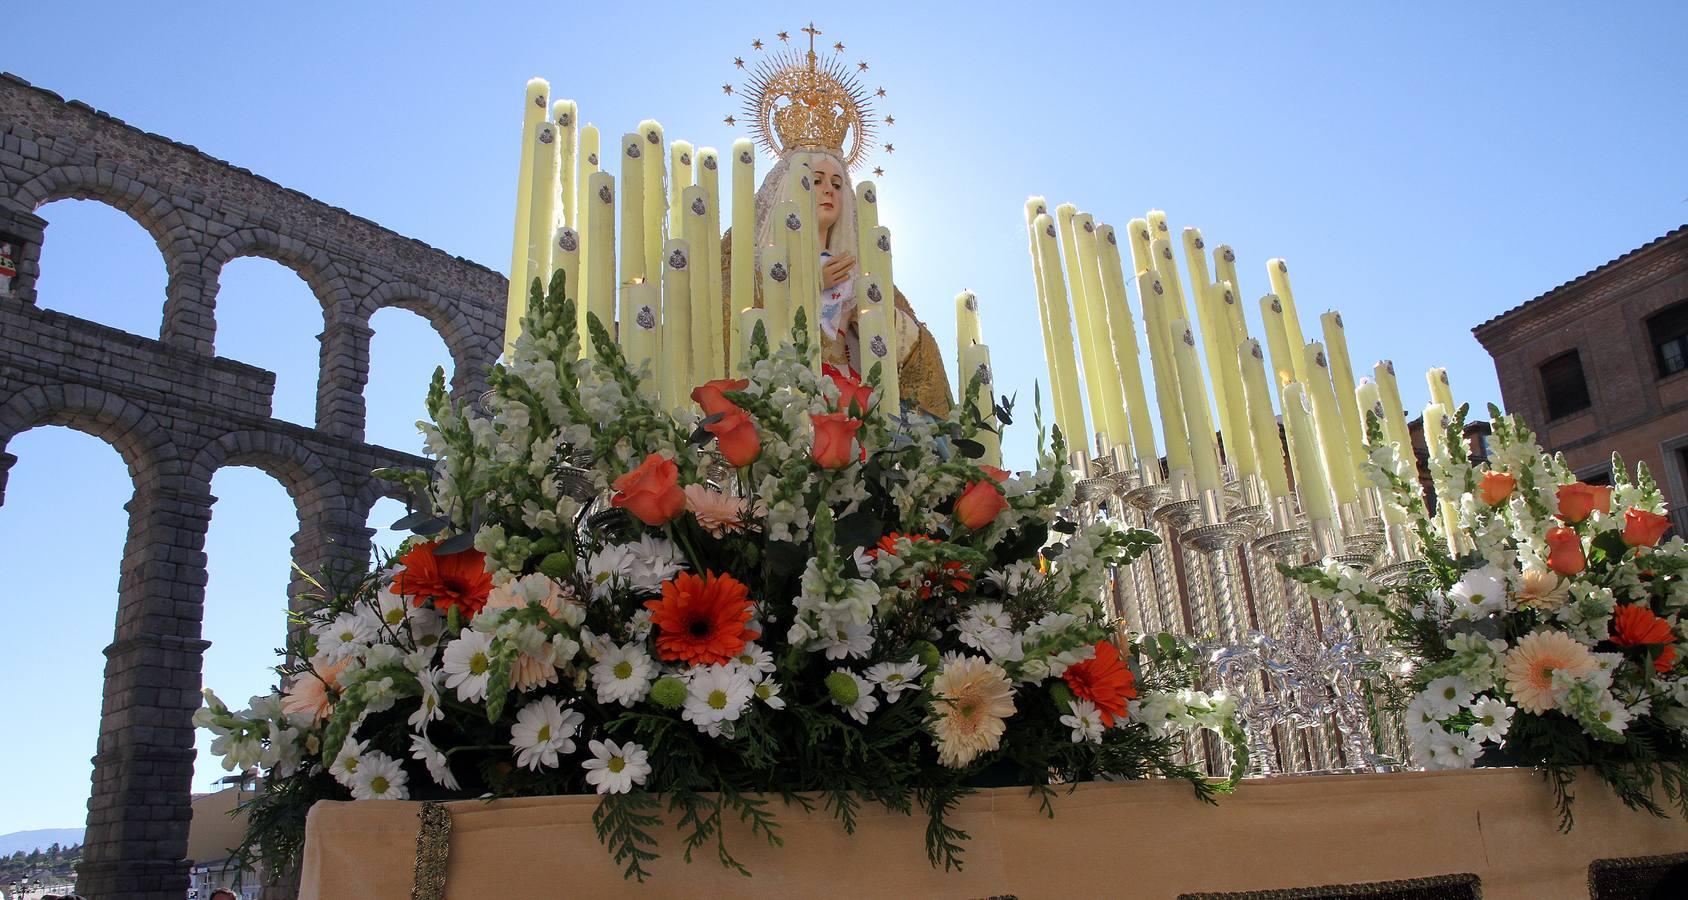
x=679 y=178
x=600 y=249
x=515 y=301
x=1037 y=206
x=1394 y=413
x=1369 y=399
x=541 y=206
x=1263 y=425
x=806 y=281
x=976 y=361
x=1108 y=405
x=566 y=116
x=588 y=165
x=1333 y=437
x=1215 y=328
x=967 y=331
x=694 y=218
x=1153 y=294
x=743 y=273
x=1091 y=372
x=1278 y=272
x=1310 y=485
x=1225 y=269
x=565 y=258
x=1061 y=329
x=776 y=290
x=1142 y=245
x=1233 y=415
x=656 y=202
x=709 y=179
x=1204 y=455
x=1440 y=390
x=1342 y=378
x=876 y=328
x=1437 y=418
x=1166 y=267
x=639 y=302
x=884 y=265
x=1126 y=353
x=632 y=208
x=1277 y=338
x=676 y=323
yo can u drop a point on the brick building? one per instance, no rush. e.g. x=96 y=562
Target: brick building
x=1599 y=365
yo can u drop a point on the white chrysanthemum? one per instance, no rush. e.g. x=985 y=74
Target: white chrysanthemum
x=1085 y=721
x=756 y=661
x=1422 y=718
x=614 y=769
x=347 y=761
x=380 y=777
x=623 y=674
x=468 y=665
x=427 y=626
x=651 y=561
x=851 y=641
x=1449 y=750
x=1447 y=695
x=608 y=569
x=543 y=729
x=768 y=691
x=1494 y=720
x=1479 y=592
x=439 y=768
x=716 y=694
x=1613 y=714
x=985 y=625
x=865 y=703
x=894 y=678
x=344 y=636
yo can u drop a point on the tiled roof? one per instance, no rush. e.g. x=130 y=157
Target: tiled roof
x=1676 y=232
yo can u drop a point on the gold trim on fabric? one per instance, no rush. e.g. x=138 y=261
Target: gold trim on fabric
x=1439 y=887
x=433 y=845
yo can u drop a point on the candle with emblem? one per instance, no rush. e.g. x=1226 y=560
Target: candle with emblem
x=1368 y=398
x=806 y=262
x=1061 y=329
x=1037 y=206
x=1109 y=405
x=976 y=361
x=709 y=179
x=632 y=208
x=1310 y=485
x=867 y=219
x=1065 y=214
x=515 y=303
x=1333 y=437
x=638 y=331
x=1233 y=416
x=1436 y=421
x=1440 y=390
x=656 y=198
x=1342 y=378
x=884 y=266
x=1394 y=413
x=565 y=258
x=564 y=113
x=1225 y=269
x=694 y=222
x=876 y=327
x=542 y=220
x=1204 y=455
x=776 y=277
x=1277 y=339
x=600 y=250
x=967 y=330
x=1126 y=351
x=1215 y=329
x=676 y=344
x=1263 y=425
x=1278 y=272
x=749 y=320
x=1153 y=294
x=588 y=165
x=679 y=178
x=743 y=272
x=1166 y=266
x=1142 y=245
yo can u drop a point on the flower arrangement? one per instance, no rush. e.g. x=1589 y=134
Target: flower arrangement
x=1549 y=639
x=789 y=593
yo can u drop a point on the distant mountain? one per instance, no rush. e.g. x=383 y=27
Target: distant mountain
x=39 y=839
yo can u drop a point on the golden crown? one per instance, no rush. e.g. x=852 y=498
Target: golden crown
x=796 y=100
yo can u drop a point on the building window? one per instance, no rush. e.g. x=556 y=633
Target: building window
x=1564 y=386
x=1668 y=330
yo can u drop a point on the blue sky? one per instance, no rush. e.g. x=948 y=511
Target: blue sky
x=1422 y=167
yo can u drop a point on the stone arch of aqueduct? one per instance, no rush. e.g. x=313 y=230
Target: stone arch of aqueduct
x=177 y=413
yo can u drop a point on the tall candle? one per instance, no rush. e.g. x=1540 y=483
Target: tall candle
x=1204 y=455
x=588 y=165
x=751 y=319
x=656 y=199
x=1278 y=272
x=1217 y=349
x=1263 y=425
x=1166 y=267
x=1065 y=214
x=565 y=258
x=1394 y=413
x=1037 y=206
x=776 y=288
x=806 y=282
x=1333 y=437
x=1108 y=404
x=967 y=330
x=1153 y=295
x=694 y=213
x=515 y=303
x=1126 y=353
x=1061 y=329
x=1342 y=378
x=709 y=179
x=976 y=361
x=566 y=115
x=876 y=328
x=1277 y=338
x=743 y=273
x=632 y=207
x=1233 y=415
x=638 y=331
x=1310 y=485
x=600 y=250
x=1142 y=245
x=1437 y=418
x=1440 y=390
x=884 y=266
x=867 y=219
x=1225 y=269
x=679 y=178
x=1369 y=399
x=541 y=206
x=676 y=340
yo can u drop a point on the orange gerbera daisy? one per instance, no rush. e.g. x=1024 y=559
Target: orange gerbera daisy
x=952 y=574
x=701 y=621
x=1103 y=680
x=454 y=579
x=1634 y=625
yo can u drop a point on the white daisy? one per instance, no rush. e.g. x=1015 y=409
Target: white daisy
x=1612 y=713
x=468 y=664
x=426 y=626
x=716 y=694
x=756 y=661
x=1085 y=721
x=651 y=561
x=1453 y=751
x=623 y=674
x=985 y=626
x=1478 y=593
x=615 y=769
x=1447 y=695
x=344 y=636
x=894 y=678
x=853 y=641
x=865 y=701
x=380 y=777
x=608 y=569
x=1422 y=718
x=768 y=691
x=439 y=768
x=391 y=608
x=1494 y=719
x=543 y=729
x=348 y=761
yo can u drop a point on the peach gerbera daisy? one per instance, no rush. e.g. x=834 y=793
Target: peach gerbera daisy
x=716 y=512
x=1541 y=589
x=519 y=592
x=309 y=693
x=1531 y=664
x=972 y=697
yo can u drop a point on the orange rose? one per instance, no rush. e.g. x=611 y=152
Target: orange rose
x=711 y=396
x=1496 y=487
x=651 y=492
x=853 y=396
x=1577 y=500
x=980 y=504
x=835 y=440
x=736 y=435
x=1565 y=551
x=1643 y=528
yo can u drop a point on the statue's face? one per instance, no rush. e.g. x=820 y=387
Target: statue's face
x=829 y=192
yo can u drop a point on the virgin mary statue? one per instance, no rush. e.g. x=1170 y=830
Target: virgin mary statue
x=805 y=116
